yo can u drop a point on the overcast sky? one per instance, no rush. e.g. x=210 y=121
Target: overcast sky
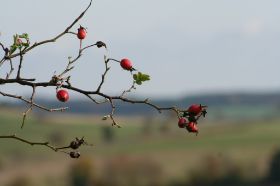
x=187 y=46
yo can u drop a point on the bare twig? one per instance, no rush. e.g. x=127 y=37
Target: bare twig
x=29 y=142
x=106 y=61
x=11 y=69
x=78 y=141
x=30 y=107
x=130 y=89
x=114 y=123
x=20 y=64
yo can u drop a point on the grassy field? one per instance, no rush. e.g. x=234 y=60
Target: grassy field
x=248 y=146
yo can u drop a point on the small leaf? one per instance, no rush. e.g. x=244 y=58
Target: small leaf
x=24 y=35
x=138 y=82
x=13 y=49
x=145 y=77
x=25 y=44
x=140 y=78
x=135 y=77
x=15 y=38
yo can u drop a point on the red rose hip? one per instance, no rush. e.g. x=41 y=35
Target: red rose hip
x=195 y=109
x=62 y=95
x=192 y=127
x=182 y=122
x=126 y=64
x=82 y=33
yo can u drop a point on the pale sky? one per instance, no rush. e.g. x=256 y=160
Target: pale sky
x=187 y=46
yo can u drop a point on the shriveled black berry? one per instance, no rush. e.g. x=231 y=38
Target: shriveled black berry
x=74 y=145
x=100 y=44
x=80 y=141
x=74 y=154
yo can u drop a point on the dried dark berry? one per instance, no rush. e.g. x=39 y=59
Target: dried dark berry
x=75 y=145
x=100 y=44
x=74 y=154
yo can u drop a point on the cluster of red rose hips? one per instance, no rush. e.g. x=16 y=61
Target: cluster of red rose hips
x=63 y=95
x=190 y=117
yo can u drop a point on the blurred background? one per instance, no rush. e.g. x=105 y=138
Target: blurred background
x=223 y=54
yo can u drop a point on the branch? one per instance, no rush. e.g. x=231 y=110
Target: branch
x=20 y=64
x=62 y=80
x=75 y=144
x=30 y=142
x=106 y=61
x=56 y=37
x=11 y=69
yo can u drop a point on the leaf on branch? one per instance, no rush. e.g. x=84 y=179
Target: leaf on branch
x=24 y=36
x=18 y=43
x=139 y=78
x=25 y=44
x=13 y=49
x=15 y=38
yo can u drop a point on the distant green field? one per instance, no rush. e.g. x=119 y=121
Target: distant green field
x=248 y=145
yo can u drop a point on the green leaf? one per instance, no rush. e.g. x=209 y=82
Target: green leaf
x=15 y=38
x=13 y=49
x=138 y=82
x=139 y=78
x=145 y=77
x=25 y=44
x=24 y=35
x=135 y=77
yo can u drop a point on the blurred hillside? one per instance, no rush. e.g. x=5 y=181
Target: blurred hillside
x=148 y=150
x=144 y=152
x=230 y=106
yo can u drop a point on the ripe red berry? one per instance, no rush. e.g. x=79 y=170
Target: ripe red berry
x=62 y=95
x=81 y=33
x=182 y=122
x=126 y=64
x=192 y=127
x=195 y=109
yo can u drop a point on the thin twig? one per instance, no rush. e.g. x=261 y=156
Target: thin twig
x=30 y=142
x=114 y=123
x=11 y=69
x=20 y=64
x=130 y=89
x=30 y=106
x=104 y=74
